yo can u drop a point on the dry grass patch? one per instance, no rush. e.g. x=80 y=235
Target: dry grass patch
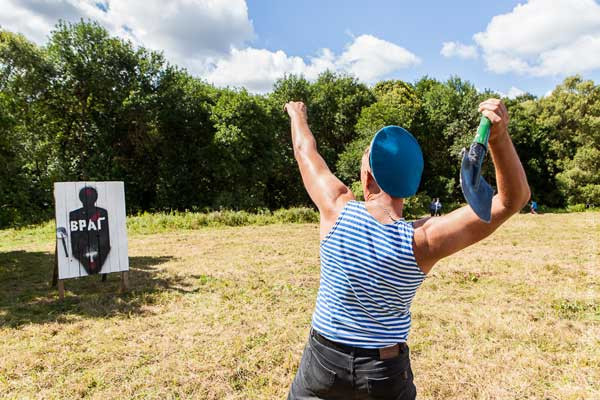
x=223 y=313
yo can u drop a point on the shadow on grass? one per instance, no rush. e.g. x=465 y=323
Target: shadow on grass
x=26 y=295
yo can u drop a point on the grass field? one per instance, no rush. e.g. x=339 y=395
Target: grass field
x=223 y=313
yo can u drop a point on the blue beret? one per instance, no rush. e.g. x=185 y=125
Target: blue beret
x=396 y=161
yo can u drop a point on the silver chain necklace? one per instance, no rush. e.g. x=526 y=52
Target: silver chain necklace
x=389 y=214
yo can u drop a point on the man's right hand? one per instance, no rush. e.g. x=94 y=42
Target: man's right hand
x=327 y=192
x=296 y=109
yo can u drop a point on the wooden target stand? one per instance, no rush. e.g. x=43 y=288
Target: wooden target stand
x=60 y=283
x=91 y=229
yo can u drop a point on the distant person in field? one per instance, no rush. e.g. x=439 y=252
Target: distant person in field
x=432 y=208
x=534 y=207
x=373 y=261
x=438 y=207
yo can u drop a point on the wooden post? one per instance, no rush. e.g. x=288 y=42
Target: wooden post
x=124 y=281
x=55 y=280
x=55 y=272
x=61 y=289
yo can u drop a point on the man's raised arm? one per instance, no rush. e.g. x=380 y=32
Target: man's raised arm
x=436 y=238
x=327 y=192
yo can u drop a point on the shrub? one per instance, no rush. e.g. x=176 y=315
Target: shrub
x=576 y=208
x=416 y=206
x=173 y=220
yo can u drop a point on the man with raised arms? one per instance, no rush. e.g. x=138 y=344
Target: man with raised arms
x=373 y=261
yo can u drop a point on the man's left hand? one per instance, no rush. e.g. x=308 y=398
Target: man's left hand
x=497 y=113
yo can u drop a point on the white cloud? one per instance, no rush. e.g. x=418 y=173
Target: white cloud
x=457 y=49
x=187 y=28
x=190 y=32
x=543 y=38
x=370 y=58
x=35 y=19
x=255 y=69
x=514 y=92
x=208 y=37
x=367 y=57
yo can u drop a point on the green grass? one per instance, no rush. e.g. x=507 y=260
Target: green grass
x=223 y=312
x=162 y=222
x=149 y=223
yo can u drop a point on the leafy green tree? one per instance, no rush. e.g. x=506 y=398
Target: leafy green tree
x=244 y=144
x=336 y=102
x=103 y=104
x=88 y=106
x=570 y=117
x=444 y=126
x=397 y=104
x=24 y=144
x=184 y=146
x=533 y=146
x=580 y=181
x=284 y=187
x=13 y=180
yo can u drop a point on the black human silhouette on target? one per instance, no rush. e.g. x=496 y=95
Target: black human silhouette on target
x=90 y=239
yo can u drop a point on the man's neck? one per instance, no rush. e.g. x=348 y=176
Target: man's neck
x=382 y=199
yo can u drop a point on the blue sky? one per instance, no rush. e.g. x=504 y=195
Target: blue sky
x=420 y=26
x=508 y=46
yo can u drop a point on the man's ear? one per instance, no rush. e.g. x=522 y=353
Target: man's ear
x=368 y=183
x=371 y=184
x=365 y=177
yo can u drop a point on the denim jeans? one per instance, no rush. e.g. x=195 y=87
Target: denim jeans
x=326 y=373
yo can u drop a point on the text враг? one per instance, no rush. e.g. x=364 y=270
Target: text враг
x=87 y=225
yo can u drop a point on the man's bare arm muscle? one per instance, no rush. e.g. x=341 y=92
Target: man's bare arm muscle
x=436 y=238
x=327 y=192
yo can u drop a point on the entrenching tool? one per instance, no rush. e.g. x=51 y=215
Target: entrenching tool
x=476 y=190
x=61 y=233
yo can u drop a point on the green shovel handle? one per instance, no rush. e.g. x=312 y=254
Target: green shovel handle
x=483 y=132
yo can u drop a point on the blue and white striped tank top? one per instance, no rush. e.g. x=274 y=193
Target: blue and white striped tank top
x=369 y=277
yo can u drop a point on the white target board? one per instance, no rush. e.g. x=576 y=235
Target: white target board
x=90 y=228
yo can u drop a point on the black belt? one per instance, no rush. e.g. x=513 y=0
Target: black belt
x=383 y=353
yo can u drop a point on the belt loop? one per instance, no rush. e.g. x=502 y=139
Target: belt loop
x=389 y=352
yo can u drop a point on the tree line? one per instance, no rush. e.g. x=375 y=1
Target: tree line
x=88 y=106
